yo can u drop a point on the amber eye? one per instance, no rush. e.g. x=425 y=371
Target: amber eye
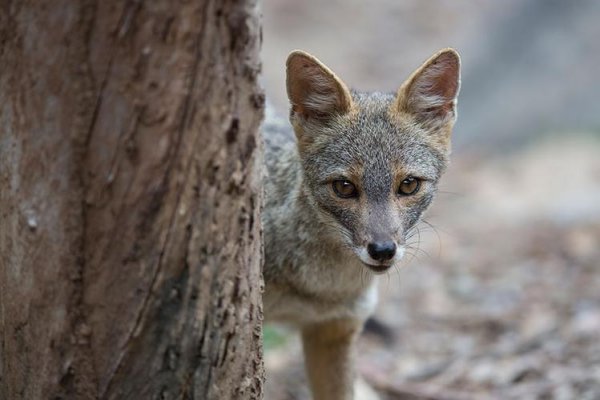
x=409 y=186
x=344 y=189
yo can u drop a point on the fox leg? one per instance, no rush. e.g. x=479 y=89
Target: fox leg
x=329 y=358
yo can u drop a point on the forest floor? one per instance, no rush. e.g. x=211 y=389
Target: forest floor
x=502 y=299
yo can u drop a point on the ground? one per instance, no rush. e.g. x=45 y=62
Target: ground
x=502 y=297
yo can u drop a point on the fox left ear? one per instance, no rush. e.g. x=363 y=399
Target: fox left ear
x=430 y=93
x=313 y=89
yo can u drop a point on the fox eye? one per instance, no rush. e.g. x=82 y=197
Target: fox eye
x=409 y=186
x=344 y=189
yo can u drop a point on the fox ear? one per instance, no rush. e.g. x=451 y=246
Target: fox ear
x=430 y=92
x=313 y=89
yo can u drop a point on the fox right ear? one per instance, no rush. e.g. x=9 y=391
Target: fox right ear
x=431 y=91
x=315 y=92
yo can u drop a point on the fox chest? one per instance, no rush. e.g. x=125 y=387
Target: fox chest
x=286 y=304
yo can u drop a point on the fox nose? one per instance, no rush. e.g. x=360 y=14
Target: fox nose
x=382 y=251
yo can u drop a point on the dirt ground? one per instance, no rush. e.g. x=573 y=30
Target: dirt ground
x=502 y=297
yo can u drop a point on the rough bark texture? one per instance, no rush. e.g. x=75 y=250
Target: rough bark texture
x=129 y=200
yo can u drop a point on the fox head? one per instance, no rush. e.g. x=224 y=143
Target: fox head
x=372 y=161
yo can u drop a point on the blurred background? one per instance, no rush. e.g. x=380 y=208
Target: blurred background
x=500 y=298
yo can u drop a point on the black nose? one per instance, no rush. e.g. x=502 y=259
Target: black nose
x=382 y=251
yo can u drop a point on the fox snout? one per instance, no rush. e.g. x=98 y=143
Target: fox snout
x=382 y=251
x=380 y=235
x=379 y=255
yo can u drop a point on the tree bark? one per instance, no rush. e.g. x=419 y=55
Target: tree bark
x=130 y=239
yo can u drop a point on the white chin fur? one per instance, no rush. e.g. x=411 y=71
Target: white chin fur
x=364 y=256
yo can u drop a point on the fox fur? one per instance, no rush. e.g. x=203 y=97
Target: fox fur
x=320 y=267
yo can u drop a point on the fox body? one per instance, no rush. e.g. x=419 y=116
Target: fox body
x=345 y=185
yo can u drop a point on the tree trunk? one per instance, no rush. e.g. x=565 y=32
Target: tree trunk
x=130 y=241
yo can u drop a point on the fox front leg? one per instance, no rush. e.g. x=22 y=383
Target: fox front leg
x=329 y=358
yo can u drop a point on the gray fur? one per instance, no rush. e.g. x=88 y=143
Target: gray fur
x=311 y=268
x=323 y=242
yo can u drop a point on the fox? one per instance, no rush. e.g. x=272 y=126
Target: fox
x=346 y=181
